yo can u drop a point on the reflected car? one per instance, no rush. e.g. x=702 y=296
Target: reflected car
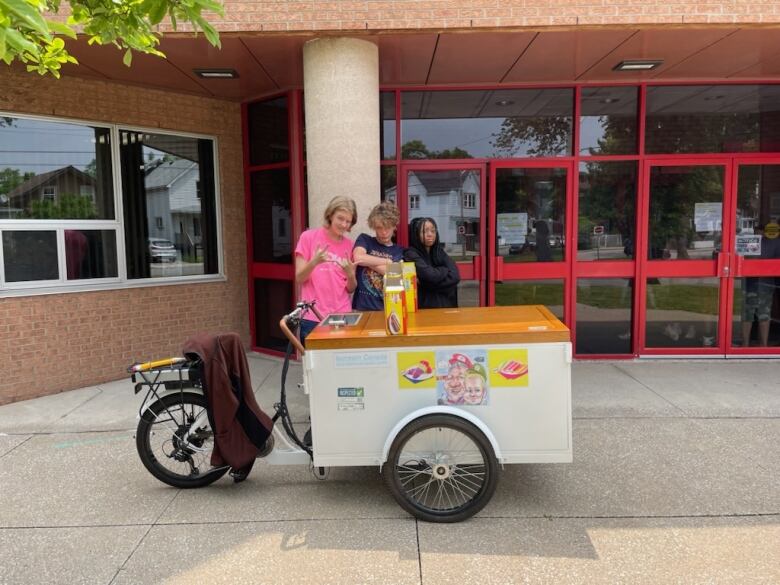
x=162 y=250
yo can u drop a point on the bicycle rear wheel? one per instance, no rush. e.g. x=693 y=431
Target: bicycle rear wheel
x=161 y=444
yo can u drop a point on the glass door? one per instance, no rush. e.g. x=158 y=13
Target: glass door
x=453 y=195
x=684 y=269
x=530 y=250
x=754 y=245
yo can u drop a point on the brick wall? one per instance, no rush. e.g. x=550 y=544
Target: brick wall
x=345 y=15
x=55 y=342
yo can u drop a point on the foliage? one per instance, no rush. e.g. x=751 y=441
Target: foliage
x=26 y=35
x=542 y=136
x=416 y=149
x=10 y=179
x=65 y=207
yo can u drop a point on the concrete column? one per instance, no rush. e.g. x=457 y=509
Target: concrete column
x=341 y=99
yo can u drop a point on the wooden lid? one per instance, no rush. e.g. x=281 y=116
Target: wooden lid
x=464 y=326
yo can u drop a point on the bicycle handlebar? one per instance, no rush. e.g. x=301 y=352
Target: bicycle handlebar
x=300 y=310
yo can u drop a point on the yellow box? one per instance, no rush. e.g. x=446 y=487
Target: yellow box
x=410 y=286
x=395 y=306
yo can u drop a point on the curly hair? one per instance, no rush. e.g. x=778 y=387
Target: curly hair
x=386 y=213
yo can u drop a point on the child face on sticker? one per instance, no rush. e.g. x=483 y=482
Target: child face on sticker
x=474 y=390
x=454 y=385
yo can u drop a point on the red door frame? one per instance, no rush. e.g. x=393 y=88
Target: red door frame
x=295 y=165
x=474 y=270
x=712 y=268
x=739 y=266
x=498 y=271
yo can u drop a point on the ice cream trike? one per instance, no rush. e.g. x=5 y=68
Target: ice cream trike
x=438 y=410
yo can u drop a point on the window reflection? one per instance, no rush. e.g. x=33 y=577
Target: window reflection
x=451 y=198
x=604 y=315
x=387 y=127
x=30 y=255
x=756 y=320
x=268 y=132
x=757 y=225
x=686 y=212
x=532 y=292
x=271 y=217
x=486 y=124
x=682 y=312
x=712 y=118
x=607 y=211
x=530 y=221
x=608 y=120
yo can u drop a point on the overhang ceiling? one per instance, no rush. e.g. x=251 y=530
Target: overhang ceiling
x=268 y=64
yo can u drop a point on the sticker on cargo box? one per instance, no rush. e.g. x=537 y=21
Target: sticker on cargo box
x=462 y=377
x=508 y=367
x=351 y=399
x=366 y=359
x=416 y=370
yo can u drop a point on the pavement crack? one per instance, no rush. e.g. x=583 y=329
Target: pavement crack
x=15 y=447
x=661 y=396
x=419 y=552
x=79 y=405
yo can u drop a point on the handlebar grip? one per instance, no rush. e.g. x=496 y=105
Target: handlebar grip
x=167 y=362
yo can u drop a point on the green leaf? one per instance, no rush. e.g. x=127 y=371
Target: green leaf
x=61 y=29
x=27 y=13
x=21 y=42
x=2 y=43
x=128 y=58
x=157 y=11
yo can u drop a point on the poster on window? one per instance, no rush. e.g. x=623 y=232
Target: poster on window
x=708 y=217
x=512 y=227
x=749 y=245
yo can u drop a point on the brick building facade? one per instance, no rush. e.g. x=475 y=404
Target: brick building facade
x=54 y=340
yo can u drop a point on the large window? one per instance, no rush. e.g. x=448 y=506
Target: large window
x=168 y=177
x=59 y=224
x=499 y=123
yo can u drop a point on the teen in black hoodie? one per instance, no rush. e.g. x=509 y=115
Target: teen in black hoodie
x=437 y=274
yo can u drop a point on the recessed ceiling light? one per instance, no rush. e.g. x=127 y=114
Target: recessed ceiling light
x=637 y=65
x=216 y=73
x=504 y=102
x=610 y=100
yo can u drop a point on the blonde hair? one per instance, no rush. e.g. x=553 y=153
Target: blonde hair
x=343 y=203
x=386 y=213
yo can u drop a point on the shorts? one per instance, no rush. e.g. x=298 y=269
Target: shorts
x=758 y=301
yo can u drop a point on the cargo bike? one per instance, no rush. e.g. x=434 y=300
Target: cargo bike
x=438 y=410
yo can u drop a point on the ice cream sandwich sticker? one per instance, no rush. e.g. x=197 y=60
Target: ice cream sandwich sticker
x=416 y=370
x=508 y=367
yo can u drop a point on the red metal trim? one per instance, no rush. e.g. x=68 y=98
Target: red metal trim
x=268 y=167
x=269 y=271
x=248 y=221
x=397 y=127
x=605 y=269
x=494 y=271
x=529 y=85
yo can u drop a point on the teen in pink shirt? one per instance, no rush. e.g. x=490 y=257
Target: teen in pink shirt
x=323 y=262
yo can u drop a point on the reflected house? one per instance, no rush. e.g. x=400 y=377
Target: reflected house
x=173 y=204
x=453 y=205
x=50 y=187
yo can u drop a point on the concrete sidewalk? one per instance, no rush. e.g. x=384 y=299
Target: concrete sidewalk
x=675 y=480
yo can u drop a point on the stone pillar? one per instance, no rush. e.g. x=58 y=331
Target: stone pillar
x=341 y=99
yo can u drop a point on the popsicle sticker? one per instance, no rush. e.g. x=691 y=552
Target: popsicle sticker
x=508 y=368
x=512 y=369
x=419 y=372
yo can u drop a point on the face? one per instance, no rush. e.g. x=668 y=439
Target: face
x=474 y=391
x=454 y=385
x=340 y=222
x=384 y=233
x=428 y=234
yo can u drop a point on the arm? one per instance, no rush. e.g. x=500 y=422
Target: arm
x=363 y=258
x=435 y=277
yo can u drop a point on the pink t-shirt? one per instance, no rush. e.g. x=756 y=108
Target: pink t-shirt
x=327 y=284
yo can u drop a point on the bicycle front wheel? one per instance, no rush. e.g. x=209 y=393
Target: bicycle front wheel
x=171 y=448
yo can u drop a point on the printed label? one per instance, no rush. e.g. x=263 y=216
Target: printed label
x=351 y=399
x=361 y=360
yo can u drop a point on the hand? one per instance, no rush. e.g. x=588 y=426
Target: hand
x=347 y=266
x=320 y=255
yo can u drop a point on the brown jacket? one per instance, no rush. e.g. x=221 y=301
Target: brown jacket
x=240 y=427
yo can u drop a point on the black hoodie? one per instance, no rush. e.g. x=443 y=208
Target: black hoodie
x=437 y=274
